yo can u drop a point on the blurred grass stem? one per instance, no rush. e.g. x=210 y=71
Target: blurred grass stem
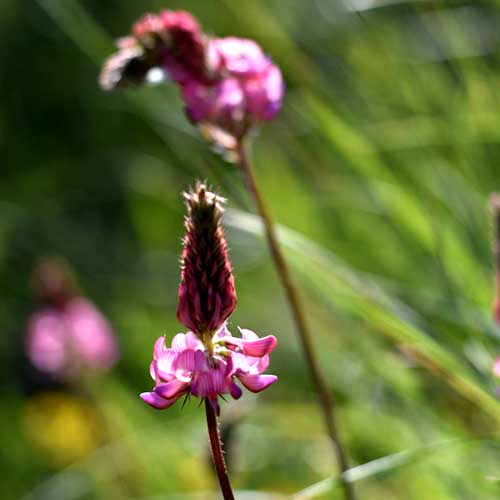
x=326 y=400
x=217 y=453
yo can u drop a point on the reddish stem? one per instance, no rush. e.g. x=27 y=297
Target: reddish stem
x=217 y=453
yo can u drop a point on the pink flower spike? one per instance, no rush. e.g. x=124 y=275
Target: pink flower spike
x=257 y=383
x=152 y=399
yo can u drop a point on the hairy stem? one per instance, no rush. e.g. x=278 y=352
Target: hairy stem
x=326 y=401
x=217 y=453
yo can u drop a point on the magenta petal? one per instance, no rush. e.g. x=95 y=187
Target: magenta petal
x=171 y=389
x=235 y=390
x=152 y=399
x=257 y=383
x=259 y=348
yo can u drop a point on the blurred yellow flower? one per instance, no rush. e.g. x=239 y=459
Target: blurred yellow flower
x=63 y=427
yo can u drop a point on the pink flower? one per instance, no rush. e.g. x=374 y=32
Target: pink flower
x=248 y=88
x=208 y=370
x=65 y=339
x=228 y=84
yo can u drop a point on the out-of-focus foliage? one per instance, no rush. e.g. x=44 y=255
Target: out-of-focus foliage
x=379 y=165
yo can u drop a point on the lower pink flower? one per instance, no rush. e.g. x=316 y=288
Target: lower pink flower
x=207 y=371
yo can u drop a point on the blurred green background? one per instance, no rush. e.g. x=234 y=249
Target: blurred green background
x=378 y=168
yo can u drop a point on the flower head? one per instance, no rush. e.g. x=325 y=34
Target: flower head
x=209 y=369
x=228 y=85
x=171 y=40
x=68 y=333
x=206 y=293
x=248 y=90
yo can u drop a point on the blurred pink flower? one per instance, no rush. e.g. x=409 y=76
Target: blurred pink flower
x=206 y=371
x=176 y=38
x=64 y=339
x=247 y=90
x=228 y=84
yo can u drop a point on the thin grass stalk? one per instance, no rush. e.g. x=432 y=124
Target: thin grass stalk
x=327 y=402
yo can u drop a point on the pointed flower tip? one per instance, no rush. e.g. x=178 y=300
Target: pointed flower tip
x=207 y=294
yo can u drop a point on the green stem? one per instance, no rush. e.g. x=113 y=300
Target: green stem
x=326 y=401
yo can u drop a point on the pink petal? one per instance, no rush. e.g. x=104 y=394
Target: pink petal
x=222 y=333
x=257 y=383
x=152 y=399
x=183 y=341
x=165 y=364
x=190 y=361
x=262 y=365
x=179 y=342
x=248 y=334
x=153 y=370
x=171 y=389
x=158 y=347
x=193 y=342
x=241 y=362
x=211 y=382
x=260 y=347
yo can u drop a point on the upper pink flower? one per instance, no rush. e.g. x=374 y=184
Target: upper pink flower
x=248 y=88
x=65 y=339
x=208 y=370
x=228 y=84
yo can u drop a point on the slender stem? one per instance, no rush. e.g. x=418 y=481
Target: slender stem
x=327 y=402
x=217 y=453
